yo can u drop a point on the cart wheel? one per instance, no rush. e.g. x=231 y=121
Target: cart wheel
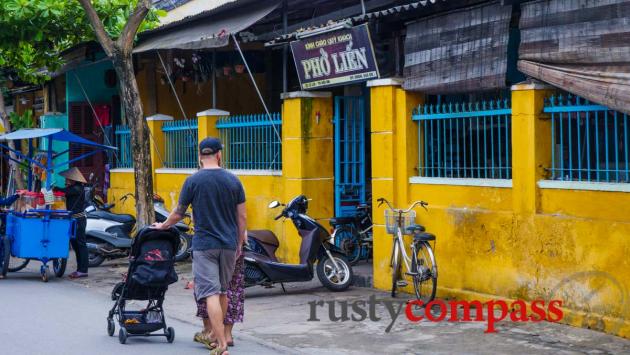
x=5 y=255
x=17 y=264
x=59 y=266
x=170 y=334
x=44 y=272
x=111 y=327
x=122 y=335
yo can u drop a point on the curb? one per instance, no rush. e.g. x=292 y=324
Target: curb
x=270 y=345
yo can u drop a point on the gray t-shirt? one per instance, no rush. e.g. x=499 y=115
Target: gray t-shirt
x=214 y=195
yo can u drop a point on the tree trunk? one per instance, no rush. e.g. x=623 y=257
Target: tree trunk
x=19 y=181
x=140 y=138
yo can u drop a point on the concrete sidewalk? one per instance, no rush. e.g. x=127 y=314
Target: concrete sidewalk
x=279 y=321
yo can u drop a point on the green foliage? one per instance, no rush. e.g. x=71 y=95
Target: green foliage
x=24 y=120
x=34 y=32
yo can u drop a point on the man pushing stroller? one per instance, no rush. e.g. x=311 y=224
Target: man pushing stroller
x=218 y=201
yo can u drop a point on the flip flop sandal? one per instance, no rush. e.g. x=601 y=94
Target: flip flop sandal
x=218 y=351
x=203 y=339
x=230 y=343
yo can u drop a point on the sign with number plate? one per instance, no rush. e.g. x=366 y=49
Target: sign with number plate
x=340 y=57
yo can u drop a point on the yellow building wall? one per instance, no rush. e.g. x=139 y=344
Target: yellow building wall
x=522 y=242
x=259 y=191
x=121 y=183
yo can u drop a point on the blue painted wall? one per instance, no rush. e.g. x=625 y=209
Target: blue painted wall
x=92 y=77
x=56 y=121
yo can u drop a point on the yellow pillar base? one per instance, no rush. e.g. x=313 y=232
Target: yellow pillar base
x=531 y=145
x=307 y=158
x=394 y=160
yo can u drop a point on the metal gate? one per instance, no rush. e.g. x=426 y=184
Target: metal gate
x=349 y=154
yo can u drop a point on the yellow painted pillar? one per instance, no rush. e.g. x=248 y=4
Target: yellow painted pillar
x=394 y=160
x=531 y=145
x=207 y=121
x=158 y=151
x=307 y=158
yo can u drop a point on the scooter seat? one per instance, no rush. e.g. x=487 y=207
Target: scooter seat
x=120 y=218
x=265 y=236
x=341 y=220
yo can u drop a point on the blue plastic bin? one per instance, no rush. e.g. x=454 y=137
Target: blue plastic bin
x=40 y=234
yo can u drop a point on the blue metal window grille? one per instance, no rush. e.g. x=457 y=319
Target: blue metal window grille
x=180 y=140
x=250 y=141
x=589 y=141
x=465 y=140
x=123 y=143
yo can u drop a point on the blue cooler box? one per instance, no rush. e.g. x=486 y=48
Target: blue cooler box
x=40 y=235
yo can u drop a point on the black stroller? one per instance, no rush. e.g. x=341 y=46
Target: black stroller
x=151 y=270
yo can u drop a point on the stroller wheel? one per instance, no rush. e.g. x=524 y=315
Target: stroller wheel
x=170 y=334
x=122 y=335
x=111 y=327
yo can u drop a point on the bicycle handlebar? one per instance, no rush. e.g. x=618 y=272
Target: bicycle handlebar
x=382 y=200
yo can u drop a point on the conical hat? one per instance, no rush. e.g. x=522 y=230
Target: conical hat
x=73 y=174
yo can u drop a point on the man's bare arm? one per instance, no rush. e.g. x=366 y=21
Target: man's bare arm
x=175 y=216
x=242 y=224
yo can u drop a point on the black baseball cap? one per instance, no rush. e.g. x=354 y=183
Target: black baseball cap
x=210 y=145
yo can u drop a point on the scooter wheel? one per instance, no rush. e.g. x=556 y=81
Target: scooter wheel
x=183 y=252
x=94 y=259
x=332 y=278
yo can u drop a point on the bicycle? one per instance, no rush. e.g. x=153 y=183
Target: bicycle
x=421 y=266
x=353 y=234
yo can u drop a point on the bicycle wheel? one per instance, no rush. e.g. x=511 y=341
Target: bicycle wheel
x=348 y=242
x=395 y=267
x=425 y=270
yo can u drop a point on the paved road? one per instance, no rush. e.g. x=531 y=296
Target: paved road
x=62 y=317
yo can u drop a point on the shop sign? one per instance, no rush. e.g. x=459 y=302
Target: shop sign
x=336 y=58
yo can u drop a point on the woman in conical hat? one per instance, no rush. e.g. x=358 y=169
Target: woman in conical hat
x=73 y=174
x=75 y=202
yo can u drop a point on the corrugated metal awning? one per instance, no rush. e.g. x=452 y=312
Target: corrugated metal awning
x=394 y=10
x=212 y=32
x=354 y=19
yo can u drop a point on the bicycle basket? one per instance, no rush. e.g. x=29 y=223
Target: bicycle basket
x=391 y=221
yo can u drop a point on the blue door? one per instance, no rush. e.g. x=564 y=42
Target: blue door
x=349 y=154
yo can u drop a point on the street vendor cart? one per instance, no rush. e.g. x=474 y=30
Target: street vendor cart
x=37 y=231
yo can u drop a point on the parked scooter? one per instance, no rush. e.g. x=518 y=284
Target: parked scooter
x=109 y=234
x=263 y=268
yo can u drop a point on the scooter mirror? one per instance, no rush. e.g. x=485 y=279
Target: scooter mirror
x=89 y=209
x=274 y=204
